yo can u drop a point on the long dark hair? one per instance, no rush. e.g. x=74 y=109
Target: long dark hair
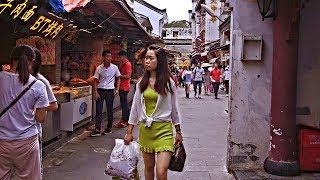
x=162 y=84
x=21 y=55
x=37 y=62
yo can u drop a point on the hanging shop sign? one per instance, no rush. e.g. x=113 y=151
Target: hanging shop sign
x=37 y=20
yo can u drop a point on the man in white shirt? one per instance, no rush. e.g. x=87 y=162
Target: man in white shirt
x=106 y=86
x=198 y=79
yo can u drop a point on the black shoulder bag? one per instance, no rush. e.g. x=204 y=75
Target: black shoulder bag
x=178 y=159
x=17 y=98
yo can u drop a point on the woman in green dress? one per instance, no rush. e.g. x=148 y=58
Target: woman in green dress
x=155 y=110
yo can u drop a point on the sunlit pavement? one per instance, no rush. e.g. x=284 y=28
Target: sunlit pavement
x=205 y=126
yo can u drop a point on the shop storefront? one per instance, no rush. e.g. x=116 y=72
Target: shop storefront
x=71 y=46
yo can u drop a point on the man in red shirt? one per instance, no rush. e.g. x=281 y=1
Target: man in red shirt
x=126 y=71
x=215 y=75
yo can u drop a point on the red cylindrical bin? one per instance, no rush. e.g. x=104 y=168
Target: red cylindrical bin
x=309 y=150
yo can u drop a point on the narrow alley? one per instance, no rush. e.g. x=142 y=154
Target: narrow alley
x=69 y=66
x=205 y=126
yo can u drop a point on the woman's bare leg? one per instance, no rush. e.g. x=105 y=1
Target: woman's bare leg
x=149 y=163
x=163 y=161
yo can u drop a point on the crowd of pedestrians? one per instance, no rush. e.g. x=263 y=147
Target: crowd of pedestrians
x=209 y=79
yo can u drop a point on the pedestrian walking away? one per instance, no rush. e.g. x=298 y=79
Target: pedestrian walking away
x=215 y=75
x=106 y=86
x=207 y=81
x=125 y=77
x=28 y=101
x=181 y=82
x=226 y=78
x=198 y=80
x=187 y=78
x=53 y=105
x=155 y=106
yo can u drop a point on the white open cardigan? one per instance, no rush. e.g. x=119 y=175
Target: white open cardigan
x=166 y=109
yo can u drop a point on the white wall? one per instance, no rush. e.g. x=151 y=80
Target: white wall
x=184 y=33
x=309 y=64
x=193 y=23
x=250 y=101
x=212 y=28
x=154 y=17
x=184 y=49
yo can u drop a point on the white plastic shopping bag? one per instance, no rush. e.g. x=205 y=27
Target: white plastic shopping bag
x=123 y=160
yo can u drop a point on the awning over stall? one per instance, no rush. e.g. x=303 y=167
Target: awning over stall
x=120 y=15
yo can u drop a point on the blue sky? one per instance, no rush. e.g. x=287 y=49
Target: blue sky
x=176 y=9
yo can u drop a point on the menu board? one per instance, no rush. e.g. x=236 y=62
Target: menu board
x=45 y=46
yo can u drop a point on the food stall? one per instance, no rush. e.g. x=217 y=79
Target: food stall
x=78 y=109
x=68 y=62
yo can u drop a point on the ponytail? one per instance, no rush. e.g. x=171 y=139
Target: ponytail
x=23 y=69
x=37 y=62
x=21 y=56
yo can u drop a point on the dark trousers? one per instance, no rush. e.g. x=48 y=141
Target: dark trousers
x=226 y=84
x=196 y=85
x=108 y=96
x=124 y=105
x=216 y=88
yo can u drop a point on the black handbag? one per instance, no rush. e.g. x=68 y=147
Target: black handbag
x=178 y=159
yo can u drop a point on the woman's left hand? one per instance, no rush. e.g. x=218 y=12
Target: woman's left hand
x=179 y=139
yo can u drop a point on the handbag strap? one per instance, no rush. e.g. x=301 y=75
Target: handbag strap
x=17 y=98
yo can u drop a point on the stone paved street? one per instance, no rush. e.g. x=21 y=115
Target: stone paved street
x=204 y=126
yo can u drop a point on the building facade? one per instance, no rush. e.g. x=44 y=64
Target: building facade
x=274 y=65
x=145 y=22
x=205 y=27
x=158 y=17
x=177 y=36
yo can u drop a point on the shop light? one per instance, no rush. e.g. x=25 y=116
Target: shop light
x=267 y=8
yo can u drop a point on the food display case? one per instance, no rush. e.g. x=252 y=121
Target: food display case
x=51 y=127
x=78 y=109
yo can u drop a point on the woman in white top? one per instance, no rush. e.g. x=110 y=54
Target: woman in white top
x=19 y=145
x=155 y=106
x=226 y=79
x=187 y=78
x=53 y=105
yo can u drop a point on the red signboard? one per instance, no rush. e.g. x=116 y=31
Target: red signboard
x=309 y=150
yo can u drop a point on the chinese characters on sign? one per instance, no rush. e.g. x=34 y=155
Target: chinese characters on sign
x=47 y=26
x=18 y=10
x=70 y=34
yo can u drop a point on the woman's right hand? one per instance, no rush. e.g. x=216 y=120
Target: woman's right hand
x=128 y=138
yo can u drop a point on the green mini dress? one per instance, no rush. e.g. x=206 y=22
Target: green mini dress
x=158 y=137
